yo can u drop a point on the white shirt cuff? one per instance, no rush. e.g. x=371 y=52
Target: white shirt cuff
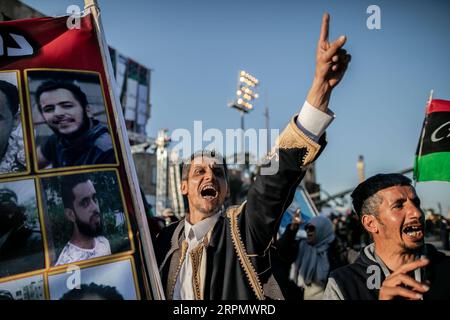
x=314 y=122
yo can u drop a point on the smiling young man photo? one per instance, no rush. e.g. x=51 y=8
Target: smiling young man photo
x=77 y=138
x=223 y=253
x=398 y=264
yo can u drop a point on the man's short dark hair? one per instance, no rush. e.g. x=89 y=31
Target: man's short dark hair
x=205 y=154
x=105 y=292
x=12 y=96
x=52 y=85
x=68 y=183
x=366 y=190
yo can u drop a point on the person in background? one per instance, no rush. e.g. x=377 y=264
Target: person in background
x=312 y=258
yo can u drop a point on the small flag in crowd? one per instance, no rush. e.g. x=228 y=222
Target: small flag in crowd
x=432 y=161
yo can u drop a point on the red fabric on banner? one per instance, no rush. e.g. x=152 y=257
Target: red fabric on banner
x=438 y=105
x=59 y=47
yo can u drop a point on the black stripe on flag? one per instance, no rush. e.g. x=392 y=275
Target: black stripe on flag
x=437 y=133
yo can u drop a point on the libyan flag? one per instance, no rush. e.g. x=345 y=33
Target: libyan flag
x=432 y=161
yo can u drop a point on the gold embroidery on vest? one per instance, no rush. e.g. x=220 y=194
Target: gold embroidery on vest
x=184 y=247
x=292 y=137
x=196 y=259
x=246 y=264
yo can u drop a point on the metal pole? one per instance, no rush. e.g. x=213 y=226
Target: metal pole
x=422 y=135
x=266 y=114
x=242 y=144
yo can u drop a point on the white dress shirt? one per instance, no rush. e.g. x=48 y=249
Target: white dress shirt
x=194 y=235
x=313 y=123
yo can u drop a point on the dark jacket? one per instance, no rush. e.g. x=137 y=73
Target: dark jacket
x=92 y=147
x=238 y=255
x=352 y=280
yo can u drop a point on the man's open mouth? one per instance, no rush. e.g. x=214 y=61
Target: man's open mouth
x=209 y=192
x=414 y=232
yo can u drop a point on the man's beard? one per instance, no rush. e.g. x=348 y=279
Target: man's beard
x=85 y=126
x=415 y=251
x=88 y=230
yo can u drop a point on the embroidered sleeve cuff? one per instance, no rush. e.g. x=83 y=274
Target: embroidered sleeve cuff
x=313 y=122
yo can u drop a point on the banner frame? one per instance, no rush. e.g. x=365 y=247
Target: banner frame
x=144 y=231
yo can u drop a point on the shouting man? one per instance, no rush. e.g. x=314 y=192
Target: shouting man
x=223 y=253
x=398 y=264
x=78 y=139
x=82 y=210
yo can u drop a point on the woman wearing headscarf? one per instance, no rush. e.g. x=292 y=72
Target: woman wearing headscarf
x=312 y=258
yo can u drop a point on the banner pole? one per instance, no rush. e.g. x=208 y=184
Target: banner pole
x=423 y=131
x=144 y=232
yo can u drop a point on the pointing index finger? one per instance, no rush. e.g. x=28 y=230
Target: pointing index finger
x=413 y=265
x=324 y=28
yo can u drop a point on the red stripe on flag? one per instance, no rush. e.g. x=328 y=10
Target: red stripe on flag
x=437 y=105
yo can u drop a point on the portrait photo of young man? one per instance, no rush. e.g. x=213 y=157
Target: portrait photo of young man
x=21 y=246
x=69 y=118
x=12 y=150
x=85 y=217
x=107 y=281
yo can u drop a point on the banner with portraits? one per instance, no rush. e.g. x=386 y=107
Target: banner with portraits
x=71 y=220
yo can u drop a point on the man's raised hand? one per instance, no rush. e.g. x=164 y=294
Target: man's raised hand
x=331 y=63
x=400 y=284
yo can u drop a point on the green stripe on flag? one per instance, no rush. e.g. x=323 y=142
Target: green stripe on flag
x=432 y=167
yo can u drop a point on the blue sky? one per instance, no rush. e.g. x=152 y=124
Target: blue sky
x=196 y=48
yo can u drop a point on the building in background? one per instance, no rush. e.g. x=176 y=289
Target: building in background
x=14 y=10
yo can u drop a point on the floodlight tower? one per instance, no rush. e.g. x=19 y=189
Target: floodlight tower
x=245 y=95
